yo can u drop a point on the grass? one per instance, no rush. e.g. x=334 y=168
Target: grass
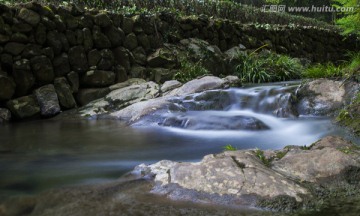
x=350 y=116
x=190 y=70
x=260 y=154
x=267 y=67
x=229 y=148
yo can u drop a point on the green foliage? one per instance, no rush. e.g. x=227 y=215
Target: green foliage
x=328 y=70
x=352 y=68
x=350 y=115
x=229 y=148
x=267 y=67
x=260 y=154
x=350 y=21
x=190 y=70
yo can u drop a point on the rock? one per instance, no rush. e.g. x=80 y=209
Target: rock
x=84 y=96
x=121 y=57
x=98 y=78
x=88 y=40
x=130 y=41
x=6 y=61
x=100 y=40
x=106 y=61
x=29 y=16
x=54 y=42
x=235 y=52
x=143 y=41
x=48 y=100
x=127 y=25
x=232 y=81
x=61 y=65
x=236 y=173
x=199 y=85
x=324 y=159
x=94 y=57
x=193 y=122
x=115 y=35
x=31 y=50
x=120 y=74
x=73 y=79
x=129 y=95
x=48 y=51
x=137 y=72
x=211 y=56
x=40 y=34
x=14 y=48
x=160 y=75
x=139 y=56
x=78 y=60
x=42 y=69
x=129 y=82
x=162 y=57
x=64 y=93
x=170 y=85
x=23 y=77
x=7 y=87
x=102 y=20
x=19 y=37
x=323 y=96
x=24 y=107
x=5 y=115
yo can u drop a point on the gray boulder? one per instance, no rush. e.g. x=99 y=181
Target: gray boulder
x=199 y=85
x=48 y=100
x=24 y=107
x=170 y=85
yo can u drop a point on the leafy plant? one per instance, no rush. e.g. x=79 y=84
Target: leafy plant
x=328 y=70
x=229 y=148
x=350 y=20
x=267 y=67
x=260 y=154
x=190 y=70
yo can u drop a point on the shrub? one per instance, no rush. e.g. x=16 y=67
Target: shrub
x=190 y=70
x=268 y=67
x=328 y=70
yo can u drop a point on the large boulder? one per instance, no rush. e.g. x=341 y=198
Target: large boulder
x=170 y=85
x=29 y=16
x=199 y=85
x=24 y=107
x=64 y=93
x=7 y=87
x=324 y=96
x=48 y=100
x=61 y=65
x=163 y=58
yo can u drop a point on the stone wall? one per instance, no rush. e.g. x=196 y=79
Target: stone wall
x=54 y=59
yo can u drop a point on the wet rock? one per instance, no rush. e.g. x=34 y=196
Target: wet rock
x=170 y=85
x=129 y=82
x=138 y=72
x=7 y=87
x=98 y=78
x=323 y=96
x=42 y=69
x=29 y=16
x=64 y=93
x=84 y=96
x=23 y=76
x=161 y=75
x=24 y=107
x=78 y=60
x=208 y=100
x=192 y=122
x=5 y=115
x=48 y=100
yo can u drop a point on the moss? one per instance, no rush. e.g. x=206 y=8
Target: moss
x=349 y=150
x=260 y=154
x=281 y=154
x=279 y=203
x=350 y=116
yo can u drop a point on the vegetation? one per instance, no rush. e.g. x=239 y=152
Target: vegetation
x=233 y=10
x=229 y=148
x=260 y=154
x=267 y=67
x=190 y=70
x=350 y=21
x=350 y=116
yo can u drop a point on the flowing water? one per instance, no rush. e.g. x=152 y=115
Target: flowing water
x=43 y=154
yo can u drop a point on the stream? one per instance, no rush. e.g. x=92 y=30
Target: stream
x=44 y=154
